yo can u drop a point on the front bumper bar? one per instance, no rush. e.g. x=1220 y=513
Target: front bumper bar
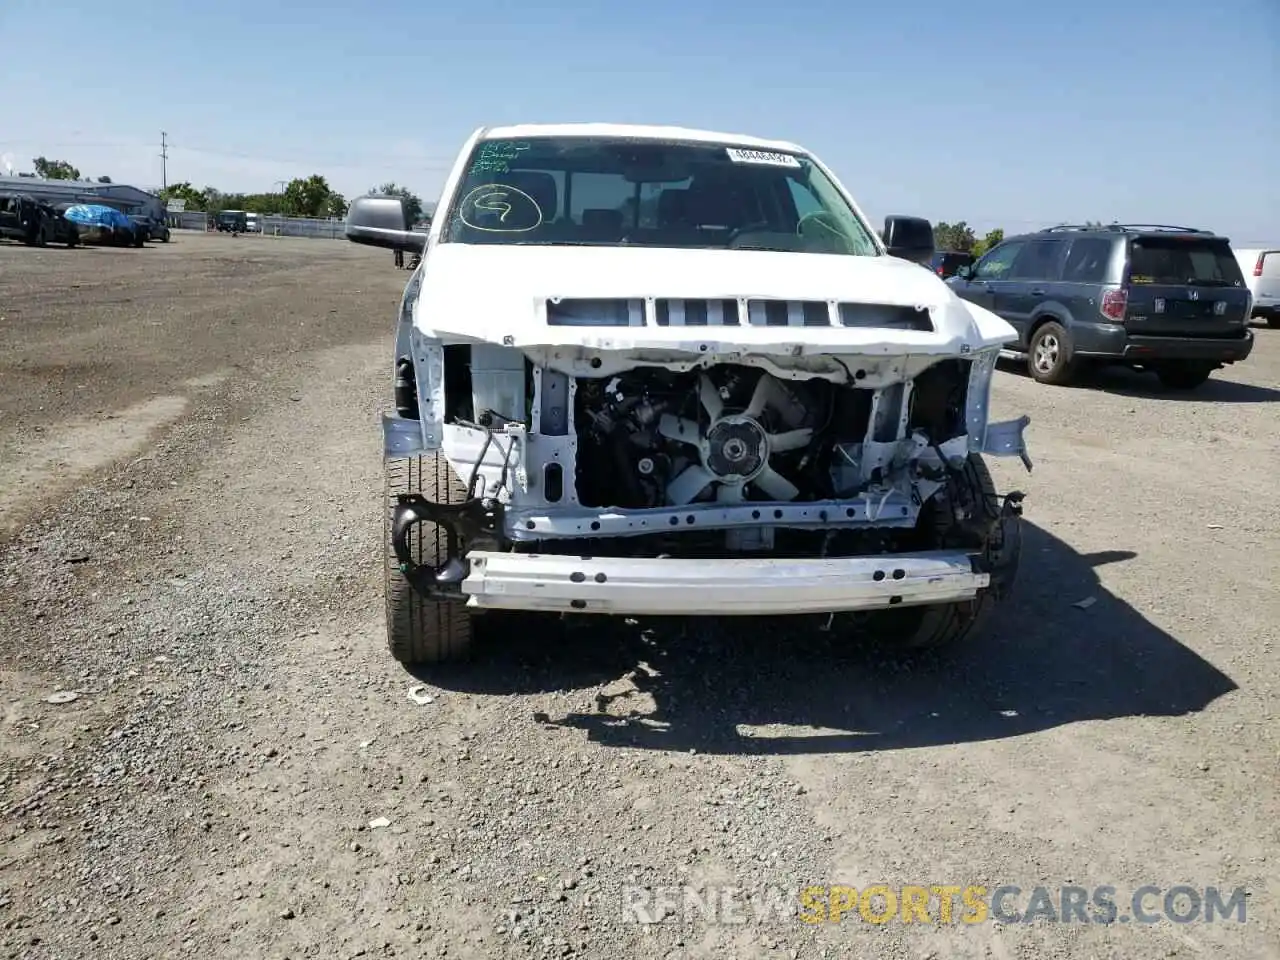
x=671 y=587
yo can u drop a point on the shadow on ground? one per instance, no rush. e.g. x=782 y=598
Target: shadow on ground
x=1044 y=663
x=1126 y=382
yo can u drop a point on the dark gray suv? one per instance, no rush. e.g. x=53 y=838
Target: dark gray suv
x=1167 y=299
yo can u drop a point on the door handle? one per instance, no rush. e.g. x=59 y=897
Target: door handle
x=1037 y=292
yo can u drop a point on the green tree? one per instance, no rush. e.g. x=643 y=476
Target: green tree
x=104 y=180
x=954 y=236
x=307 y=198
x=993 y=239
x=335 y=205
x=412 y=202
x=183 y=191
x=212 y=199
x=54 y=169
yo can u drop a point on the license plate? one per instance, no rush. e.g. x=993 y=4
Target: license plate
x=1192 y=309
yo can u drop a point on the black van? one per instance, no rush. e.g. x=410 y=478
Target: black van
x=945 y=263
x=21 y=218
x=232 y=221
x=24 y=218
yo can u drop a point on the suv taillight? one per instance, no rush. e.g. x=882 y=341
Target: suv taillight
x=1257 y=267
x=1114 y=303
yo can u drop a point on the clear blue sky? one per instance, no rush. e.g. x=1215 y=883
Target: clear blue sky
x=997 y=112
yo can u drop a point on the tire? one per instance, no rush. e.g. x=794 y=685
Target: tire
x=1185 y=374
x=944 y=625
x=420 y=629
x=1273 y=321
x=1050 y=358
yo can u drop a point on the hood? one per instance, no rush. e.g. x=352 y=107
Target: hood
x=498 y=293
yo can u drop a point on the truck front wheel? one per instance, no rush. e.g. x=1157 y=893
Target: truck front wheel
x=422 y=629
x=940 y=625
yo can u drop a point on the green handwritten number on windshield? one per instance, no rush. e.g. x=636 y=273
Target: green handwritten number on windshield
x=490 y=206
x=494 y=203
x=495 y=156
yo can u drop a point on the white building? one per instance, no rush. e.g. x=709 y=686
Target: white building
x=123 y=197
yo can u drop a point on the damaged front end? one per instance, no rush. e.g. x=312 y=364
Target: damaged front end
x=596 y=477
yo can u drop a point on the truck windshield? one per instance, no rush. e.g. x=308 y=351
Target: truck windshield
x=615 y=191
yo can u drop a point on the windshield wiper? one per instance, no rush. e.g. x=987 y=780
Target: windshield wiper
x=1208 y=282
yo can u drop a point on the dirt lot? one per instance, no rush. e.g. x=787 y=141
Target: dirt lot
x=189 y=542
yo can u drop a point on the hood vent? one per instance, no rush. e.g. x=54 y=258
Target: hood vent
x=696 y=313
x=885 y=316
x=723 y=312
x=788 y=313
x=595 y=313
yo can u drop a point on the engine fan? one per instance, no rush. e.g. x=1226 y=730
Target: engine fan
x=736 y=448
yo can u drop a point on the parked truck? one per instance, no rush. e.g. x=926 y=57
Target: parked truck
x=705 y=386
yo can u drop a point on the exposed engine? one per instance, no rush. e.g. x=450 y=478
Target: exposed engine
x=651 y=437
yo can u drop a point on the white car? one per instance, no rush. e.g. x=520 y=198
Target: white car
x=1261 y=269
x=658 y=371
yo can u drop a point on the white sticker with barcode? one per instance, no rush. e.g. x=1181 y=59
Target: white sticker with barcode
x=738 y=155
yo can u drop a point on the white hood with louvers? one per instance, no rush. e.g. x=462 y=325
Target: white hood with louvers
x=500 y=293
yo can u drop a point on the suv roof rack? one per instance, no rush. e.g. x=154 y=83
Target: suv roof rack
x=1125 y=228
x=1159 y=228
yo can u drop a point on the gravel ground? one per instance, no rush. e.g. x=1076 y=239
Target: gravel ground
x=189 y=550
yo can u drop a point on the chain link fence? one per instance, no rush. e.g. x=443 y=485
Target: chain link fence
x=328 y=229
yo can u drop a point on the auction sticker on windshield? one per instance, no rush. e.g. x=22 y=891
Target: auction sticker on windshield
x=762 y=156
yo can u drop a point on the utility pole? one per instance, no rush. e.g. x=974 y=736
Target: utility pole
x=282 y=184
x=164 y=160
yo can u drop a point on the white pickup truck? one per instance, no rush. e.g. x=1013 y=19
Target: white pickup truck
x=659 y=371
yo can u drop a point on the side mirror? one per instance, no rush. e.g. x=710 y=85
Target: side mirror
x=381 y=221
x=910 y=238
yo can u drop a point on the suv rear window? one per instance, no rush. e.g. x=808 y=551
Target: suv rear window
x=1176 y=260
